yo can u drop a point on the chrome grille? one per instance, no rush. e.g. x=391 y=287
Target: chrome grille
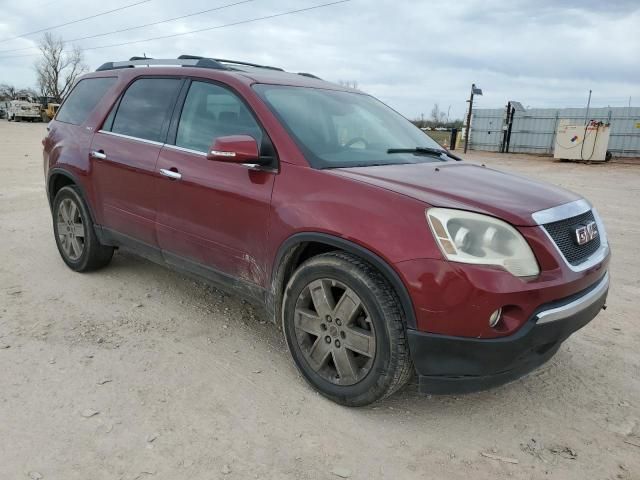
x=563 y=234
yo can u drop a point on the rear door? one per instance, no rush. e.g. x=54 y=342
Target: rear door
x=69 y=136
x=124 y=154
x=216 y=214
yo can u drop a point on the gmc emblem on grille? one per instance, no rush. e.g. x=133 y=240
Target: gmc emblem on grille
x=586 y=233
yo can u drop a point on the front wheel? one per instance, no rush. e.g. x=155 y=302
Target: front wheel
x=75 y=236
x=344 y=327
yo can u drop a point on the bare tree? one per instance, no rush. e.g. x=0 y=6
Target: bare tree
x=8 y=92
x=437 y=116
x=11 y=92
x=59 y=67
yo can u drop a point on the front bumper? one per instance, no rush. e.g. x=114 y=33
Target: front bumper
x=447 y=364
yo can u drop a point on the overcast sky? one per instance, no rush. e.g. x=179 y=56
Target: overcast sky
x=410 y=54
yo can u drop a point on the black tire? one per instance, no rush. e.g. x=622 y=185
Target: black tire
x=390 y=367
x=17 y=119
x=93 y=255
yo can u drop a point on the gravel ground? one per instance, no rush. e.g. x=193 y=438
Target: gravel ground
x=137 y=372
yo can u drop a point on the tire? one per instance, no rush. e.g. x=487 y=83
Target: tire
x=381 y=365
x=17 y=119
x=75 y=234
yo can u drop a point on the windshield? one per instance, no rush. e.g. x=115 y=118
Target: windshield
x=346 y=129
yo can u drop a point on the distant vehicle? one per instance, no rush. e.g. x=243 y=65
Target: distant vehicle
x=380 y=253
x=24 y=108
x=3 y=109
x=50 y=111
x=48 y=108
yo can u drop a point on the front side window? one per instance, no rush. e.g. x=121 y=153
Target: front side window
x=145 y=108
x=83 y=99
x=345 y=129
x=211 y=111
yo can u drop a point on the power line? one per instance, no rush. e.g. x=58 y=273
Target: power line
x=241 y=22
x=75 y=21
x=138 y=26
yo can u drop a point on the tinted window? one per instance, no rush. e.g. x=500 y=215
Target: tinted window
x=83 y=99
x=145 y=108
x=211 y=111
x=345 y=129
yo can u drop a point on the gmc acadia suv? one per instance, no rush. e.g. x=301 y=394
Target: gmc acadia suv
x=381 y=253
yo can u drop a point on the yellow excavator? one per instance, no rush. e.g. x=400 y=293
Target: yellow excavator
x=48 y=108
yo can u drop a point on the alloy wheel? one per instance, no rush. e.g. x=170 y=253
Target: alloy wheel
x=334 y=332
x=70 y=229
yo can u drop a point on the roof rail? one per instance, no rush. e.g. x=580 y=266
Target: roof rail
x=247 y=64
x=234 y=62
x=190 y=61
x=310 y=75
x=195 y=62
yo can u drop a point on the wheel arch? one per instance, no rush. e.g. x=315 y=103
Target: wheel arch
x=300 y=246
x=58 y=178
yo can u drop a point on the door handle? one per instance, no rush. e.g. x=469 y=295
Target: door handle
x=170 y=174
x=98 y=155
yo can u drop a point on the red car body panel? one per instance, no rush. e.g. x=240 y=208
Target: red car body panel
x=236 y=220
x=124 y=184
x=217 y=214
x=466 y=186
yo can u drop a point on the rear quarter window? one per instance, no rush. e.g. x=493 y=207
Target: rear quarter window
x=83 y=99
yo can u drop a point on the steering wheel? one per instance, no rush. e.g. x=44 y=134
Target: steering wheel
x=355 y=140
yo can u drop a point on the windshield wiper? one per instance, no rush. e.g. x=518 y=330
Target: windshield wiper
x=425 y=150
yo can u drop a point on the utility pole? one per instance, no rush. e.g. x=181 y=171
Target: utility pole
x=474 y=91
x=586 y=115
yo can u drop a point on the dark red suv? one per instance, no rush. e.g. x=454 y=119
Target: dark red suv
x=381 y=253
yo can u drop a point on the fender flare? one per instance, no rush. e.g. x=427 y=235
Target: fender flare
x=71 y=176
x=287 y=251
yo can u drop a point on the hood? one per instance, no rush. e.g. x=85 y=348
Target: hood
x=465 y=186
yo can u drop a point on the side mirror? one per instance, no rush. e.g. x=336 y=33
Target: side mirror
x=235 y=149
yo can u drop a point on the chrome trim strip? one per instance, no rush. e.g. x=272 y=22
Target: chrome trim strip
x=183 y=149
x=577 y=305
x=561 y=212
x=128 y=137
x=222 y=153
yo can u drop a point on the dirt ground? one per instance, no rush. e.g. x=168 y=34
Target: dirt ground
x=137 y=372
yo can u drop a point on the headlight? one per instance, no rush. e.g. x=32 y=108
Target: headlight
x=481 y=240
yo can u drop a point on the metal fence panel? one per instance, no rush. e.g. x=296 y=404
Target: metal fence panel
x=486 y=131
x=534 y=130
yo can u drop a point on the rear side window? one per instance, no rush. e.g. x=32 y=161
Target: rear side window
x=145 y=108
x=83 y=99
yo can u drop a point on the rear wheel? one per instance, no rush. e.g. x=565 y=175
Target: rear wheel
x=74 y=233
x=344 y=328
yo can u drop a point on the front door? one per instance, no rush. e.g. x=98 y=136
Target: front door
x=124 y=156
x=210 y=213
